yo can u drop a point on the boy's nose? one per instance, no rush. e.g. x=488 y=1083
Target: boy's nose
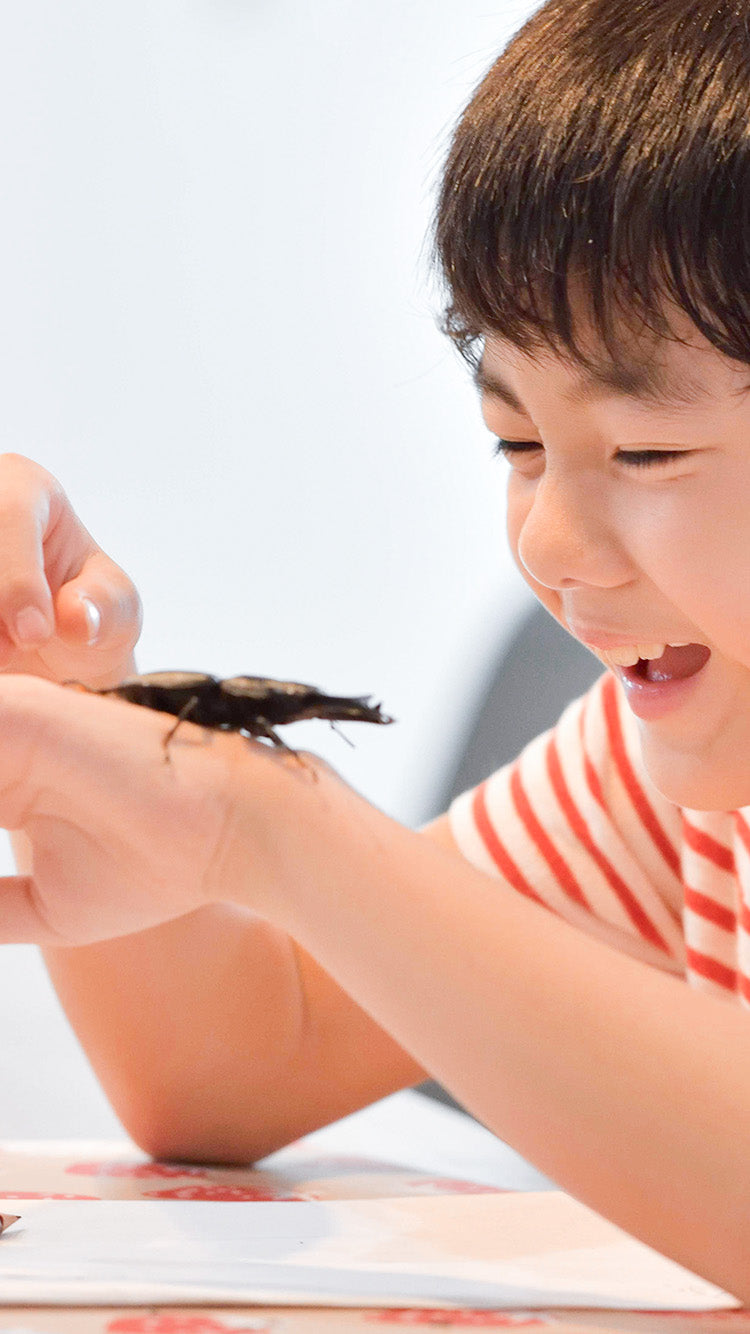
x=565 y=537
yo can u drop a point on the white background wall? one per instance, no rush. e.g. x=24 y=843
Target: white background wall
x=216 y=329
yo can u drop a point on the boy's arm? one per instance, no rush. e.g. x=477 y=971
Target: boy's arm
x=614 y=1078
x=217 y=1038
x=217 y=1012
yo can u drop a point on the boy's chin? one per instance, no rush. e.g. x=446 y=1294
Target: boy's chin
x=694 y=781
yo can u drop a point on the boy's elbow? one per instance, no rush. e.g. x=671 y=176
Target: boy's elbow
x=184 y=1144
x=172 y=1131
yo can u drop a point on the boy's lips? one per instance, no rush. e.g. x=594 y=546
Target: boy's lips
x=602 y=640
x=659 y=686
x=656 y=683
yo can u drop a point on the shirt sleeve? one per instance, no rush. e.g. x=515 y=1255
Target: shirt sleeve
x=575 y=824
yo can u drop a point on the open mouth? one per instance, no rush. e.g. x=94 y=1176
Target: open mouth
x=675 y=663
x=657 y=678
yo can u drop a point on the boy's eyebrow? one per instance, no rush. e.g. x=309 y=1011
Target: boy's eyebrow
x=644 y=383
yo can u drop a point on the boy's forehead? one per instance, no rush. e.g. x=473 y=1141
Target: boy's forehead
x=669 y=374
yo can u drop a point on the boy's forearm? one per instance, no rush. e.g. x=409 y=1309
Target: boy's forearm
x=616 y=1080
x=217 y=1040
x=186 y=1025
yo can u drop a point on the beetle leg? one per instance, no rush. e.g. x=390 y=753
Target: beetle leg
x=263 y=728
x=338 y=732
x=182 y=715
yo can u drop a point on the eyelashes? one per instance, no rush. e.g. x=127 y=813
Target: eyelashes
x=509 y=448
x=631 y=458
x=650 y=458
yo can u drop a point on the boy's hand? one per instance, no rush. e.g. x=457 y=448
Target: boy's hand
x=116 y=839
x=66 y=610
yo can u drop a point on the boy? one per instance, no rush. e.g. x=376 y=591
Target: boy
x=246 y=953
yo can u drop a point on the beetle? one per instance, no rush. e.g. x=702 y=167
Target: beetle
x=254 y=705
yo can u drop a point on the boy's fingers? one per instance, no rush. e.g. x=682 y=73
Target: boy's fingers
x=100 y=607
x=26 y=510
x=26 y=608
x=41 y=545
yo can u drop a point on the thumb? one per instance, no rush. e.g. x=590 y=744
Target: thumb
x=99 y=607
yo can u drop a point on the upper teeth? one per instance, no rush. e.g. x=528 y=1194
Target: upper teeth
x=628 y=656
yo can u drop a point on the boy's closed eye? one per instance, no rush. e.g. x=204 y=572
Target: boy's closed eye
x=634 y=458
x=507 y=448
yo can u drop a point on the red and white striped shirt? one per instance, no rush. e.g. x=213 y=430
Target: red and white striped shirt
x=575 y=824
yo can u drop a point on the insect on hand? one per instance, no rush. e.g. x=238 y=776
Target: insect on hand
x=255 y=705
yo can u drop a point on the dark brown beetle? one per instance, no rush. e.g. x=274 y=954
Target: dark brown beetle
x=255 y=705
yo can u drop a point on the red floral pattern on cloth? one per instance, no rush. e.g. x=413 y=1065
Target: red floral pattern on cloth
x=187 y=1324
x=216 y=1191
x=135 y=1171
x=316 y=1178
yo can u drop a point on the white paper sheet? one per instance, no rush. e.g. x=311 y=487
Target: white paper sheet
x=537 y=1249
x=422 y=1134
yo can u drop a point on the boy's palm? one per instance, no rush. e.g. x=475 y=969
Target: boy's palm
x=118 y=838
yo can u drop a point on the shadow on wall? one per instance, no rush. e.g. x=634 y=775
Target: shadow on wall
x=540 y=671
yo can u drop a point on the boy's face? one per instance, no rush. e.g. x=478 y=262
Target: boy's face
x=629 y=517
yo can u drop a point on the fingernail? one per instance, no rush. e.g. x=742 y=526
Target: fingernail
x=32 y=626
x=93 y=619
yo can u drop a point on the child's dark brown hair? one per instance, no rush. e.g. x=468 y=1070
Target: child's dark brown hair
x=607 y=152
